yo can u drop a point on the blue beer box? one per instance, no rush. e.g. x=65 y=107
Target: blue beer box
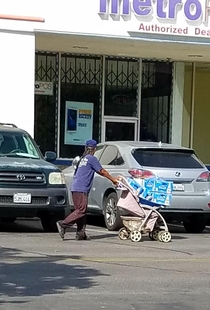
x=164 y=186
x=155 y=198
x=136 y=186
x=158 y=185
x=145 y=193
x=161 y=198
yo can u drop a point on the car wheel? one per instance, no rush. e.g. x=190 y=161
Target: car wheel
x=111 y=212
x=194 y=225
x=8 y=219
x=49 y=221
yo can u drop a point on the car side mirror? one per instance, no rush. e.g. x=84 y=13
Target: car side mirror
x=75 y=162
x=50 y=156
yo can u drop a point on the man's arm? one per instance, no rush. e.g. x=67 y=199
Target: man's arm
x=101 y=171
x=105 y=173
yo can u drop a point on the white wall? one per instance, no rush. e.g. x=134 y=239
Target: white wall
x=17 y=57
x=177 y=104
x=82 y=16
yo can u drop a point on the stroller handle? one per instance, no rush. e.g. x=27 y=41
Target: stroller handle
x=123 y=185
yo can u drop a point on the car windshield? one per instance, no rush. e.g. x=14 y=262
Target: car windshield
x=17 y=145
x=167 y=158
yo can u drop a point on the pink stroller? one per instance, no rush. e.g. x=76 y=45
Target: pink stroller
x=142 y=218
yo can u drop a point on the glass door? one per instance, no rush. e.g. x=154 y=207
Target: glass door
x=119 y=130
x=120 y=110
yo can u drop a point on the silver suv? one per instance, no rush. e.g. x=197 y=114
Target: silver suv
x=191 y=192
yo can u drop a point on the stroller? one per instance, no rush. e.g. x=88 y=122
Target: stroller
x=141 y=218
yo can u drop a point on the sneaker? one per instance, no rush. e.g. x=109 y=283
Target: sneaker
x=61 y=230
x=78 y=238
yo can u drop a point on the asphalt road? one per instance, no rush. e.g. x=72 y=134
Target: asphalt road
x=39 y=271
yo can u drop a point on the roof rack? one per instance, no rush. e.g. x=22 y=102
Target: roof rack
x=8 y=124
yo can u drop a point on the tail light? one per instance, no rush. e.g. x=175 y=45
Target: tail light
x=139 y=173
x=204 y=177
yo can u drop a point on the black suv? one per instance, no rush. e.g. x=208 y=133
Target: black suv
x=30 y=186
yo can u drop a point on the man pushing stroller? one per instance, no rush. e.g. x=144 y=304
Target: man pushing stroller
x=80 y=188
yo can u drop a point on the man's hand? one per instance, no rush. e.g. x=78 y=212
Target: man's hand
x=115 y=181
x=105 y=174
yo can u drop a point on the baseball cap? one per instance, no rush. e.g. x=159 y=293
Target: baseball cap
x=91 y=143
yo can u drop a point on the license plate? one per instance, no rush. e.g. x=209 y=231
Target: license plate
x=22 y=198
x=178 y=187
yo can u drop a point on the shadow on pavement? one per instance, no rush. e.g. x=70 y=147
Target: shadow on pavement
x=15 y=302
x=96 y=220
x=179 y=228
x=34 y=226
x=92 y=237
x=103 y=236
x=23 y=225
x=22 y=276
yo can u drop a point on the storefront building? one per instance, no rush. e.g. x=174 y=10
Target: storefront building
x=109 y=70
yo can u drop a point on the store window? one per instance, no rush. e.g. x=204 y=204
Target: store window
x=80 y=114
x=156 y=94
x=46 y=86
x=121 y=78
x=121 y=131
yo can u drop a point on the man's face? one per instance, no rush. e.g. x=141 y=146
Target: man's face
x=91 y=149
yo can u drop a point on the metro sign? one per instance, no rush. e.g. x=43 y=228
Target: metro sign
x=192 y=10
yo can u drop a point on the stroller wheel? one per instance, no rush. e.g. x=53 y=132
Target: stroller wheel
x=160 y=235
x=154 y=235
x=135 y=236
x=151 y=235
x=165 y=236
x=123 y=233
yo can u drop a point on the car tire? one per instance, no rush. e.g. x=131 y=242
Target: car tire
x=111 y=212
x=49 y=221
x=195 y=225
x=8 y=219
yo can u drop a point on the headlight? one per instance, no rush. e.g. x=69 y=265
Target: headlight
x=56 y=178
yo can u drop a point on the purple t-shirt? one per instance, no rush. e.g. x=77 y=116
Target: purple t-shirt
x=84 y=175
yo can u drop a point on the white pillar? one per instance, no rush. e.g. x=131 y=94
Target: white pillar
x=17 y=58
x=177 y=103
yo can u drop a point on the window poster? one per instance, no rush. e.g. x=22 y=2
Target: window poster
x=78 y=122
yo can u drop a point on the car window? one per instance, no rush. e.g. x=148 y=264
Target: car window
x=111 y=156
x=167 y=158
x=1 y=138
x=119 y=160
x=18 y=144
x=98 y=151
x=29 y=146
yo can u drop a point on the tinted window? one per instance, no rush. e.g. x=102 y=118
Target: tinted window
x=98 y=151
x=111 y=156
x=119 y=160
x=166 y=158
x=17 y=145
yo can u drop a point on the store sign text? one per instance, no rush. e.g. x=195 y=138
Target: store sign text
x=154 y=28
x=43 y=88
x=165 y=10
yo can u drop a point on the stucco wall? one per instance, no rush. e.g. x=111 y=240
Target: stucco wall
x=177 y=114
x=17 y=79
x=187 y=102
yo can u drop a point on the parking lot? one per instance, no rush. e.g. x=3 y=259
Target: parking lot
x=39 y=271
